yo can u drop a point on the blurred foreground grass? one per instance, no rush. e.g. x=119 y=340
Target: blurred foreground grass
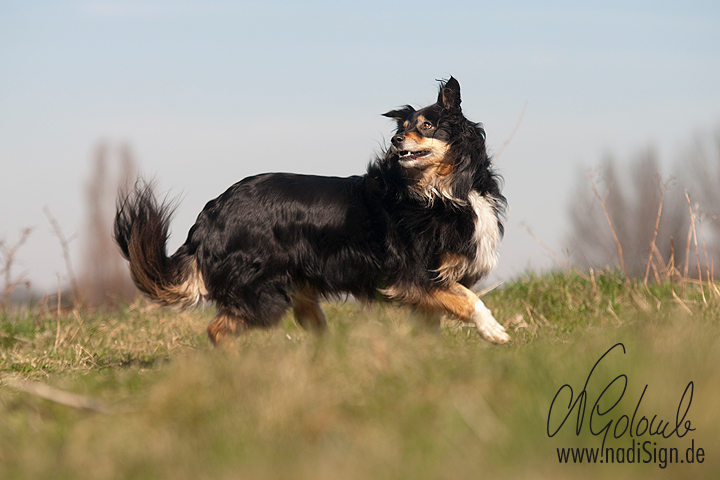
x=377 y=397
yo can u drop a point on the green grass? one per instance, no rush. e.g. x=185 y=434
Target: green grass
x=377 y=397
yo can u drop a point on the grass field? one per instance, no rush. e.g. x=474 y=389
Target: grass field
x=139 y=393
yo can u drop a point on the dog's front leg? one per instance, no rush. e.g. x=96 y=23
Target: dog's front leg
x=488 y=328
x=465 y=305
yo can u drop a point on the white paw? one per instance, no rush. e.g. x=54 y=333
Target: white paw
x=487 y=326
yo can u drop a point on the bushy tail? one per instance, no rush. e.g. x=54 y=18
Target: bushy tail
x=141 y=231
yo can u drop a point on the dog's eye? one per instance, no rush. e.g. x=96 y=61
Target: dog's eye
x=426 y=126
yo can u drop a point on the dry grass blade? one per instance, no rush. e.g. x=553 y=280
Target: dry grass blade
x=682 y=304
x=56 y=395
x=489 y=289
x=530 y=310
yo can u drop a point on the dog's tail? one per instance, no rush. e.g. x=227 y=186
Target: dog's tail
x=141 y=231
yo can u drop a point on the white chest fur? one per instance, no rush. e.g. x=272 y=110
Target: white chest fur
x=487 y=234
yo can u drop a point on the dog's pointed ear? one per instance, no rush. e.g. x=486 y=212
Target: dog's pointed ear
x=449 y=96
x=401 y=114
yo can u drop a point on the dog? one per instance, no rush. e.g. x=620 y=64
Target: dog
x=420 y=228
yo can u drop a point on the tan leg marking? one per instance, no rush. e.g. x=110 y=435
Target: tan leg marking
x=225 y=323
x=458 y=301
x=306 y=309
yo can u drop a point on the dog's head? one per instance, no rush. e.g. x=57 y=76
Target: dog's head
x=423 y=137
x=437 y=146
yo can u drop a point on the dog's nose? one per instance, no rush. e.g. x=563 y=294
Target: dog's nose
x=398 y=139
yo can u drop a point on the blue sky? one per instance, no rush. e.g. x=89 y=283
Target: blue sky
x=209 y=92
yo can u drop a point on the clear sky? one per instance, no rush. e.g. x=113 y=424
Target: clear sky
x=209 y=92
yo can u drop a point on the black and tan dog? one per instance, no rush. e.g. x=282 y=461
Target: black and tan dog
x=420 y=228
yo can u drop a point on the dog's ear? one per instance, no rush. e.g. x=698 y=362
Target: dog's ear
x=449 y=96
x=400 y=115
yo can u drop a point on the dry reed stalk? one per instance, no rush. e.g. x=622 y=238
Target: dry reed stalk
x=57 y=334
x=707 y=261
x=671 y=262
x=657 y=224
x=697 y=256
x=687 y=247
x=689 y=237
x=612 y=229
x=592 y=280
x=712 y=277
x=59 y=297
x=76 y=312
x=656 y=275
x=697 y=252
x=659 y=261
x=673 y=270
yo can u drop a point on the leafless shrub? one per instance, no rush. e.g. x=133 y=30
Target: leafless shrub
x=7 y=258
x=647 y=214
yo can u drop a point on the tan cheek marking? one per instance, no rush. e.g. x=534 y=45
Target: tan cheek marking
x=415 y=137
x=427 y=143
x=432 y=143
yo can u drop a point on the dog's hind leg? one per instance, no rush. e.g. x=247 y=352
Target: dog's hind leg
x=306 y=308
x=225 y=323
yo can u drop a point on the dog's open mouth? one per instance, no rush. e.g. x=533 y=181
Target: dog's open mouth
x=406 y=155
